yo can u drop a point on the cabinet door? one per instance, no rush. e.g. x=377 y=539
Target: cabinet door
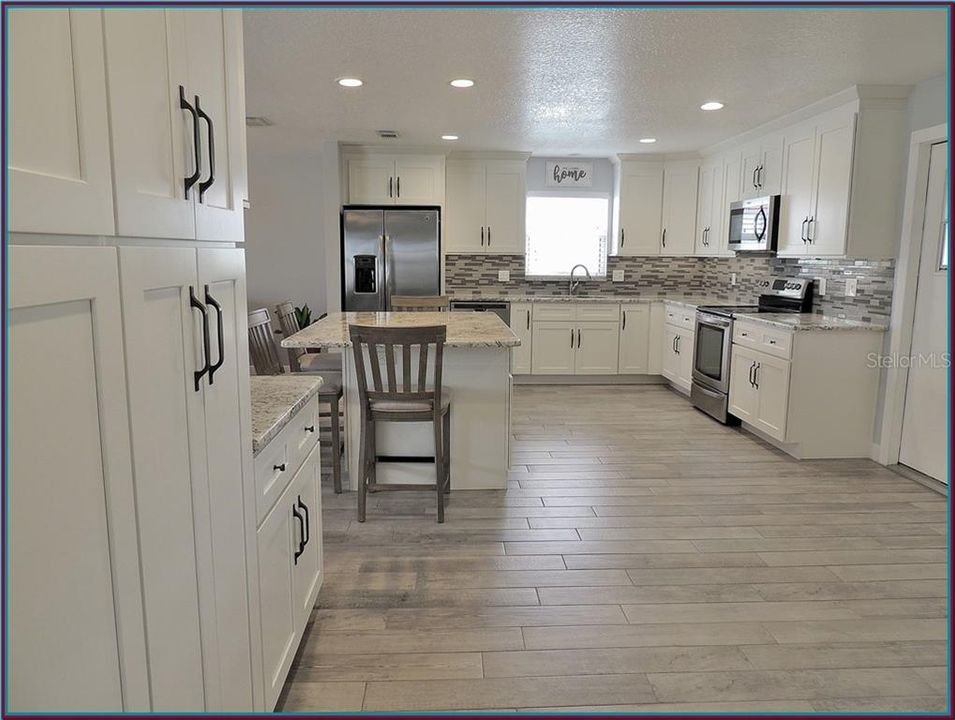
x=771 y=165
x=371 y=181
x=75 y=608
x=163 y=349
x=705 y=210
x=772 y=381
x=830 y=216
x=641 y=208
x=59 y=162
x=521 y=325
x=598 y=347
x=743 y=398
x=465 y=205
x=634 y=339
x=214 y=47
x=749 y=167
x=419 y=181
x=276 y=547
x=670 y=363
x=656 y=343
x=227 y=428
x=307 y=568
x=679 y=208
x=685 y=350
x=506 y=192
x=796 y=197
x=152 y=137
x=553 y=348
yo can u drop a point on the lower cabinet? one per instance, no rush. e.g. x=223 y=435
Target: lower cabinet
x=521 y=314
x=759 y=390
x=634 y=352
x=575 y=348
x=677 y=360
x=597 y=348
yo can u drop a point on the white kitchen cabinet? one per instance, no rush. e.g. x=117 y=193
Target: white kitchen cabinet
x=597 y=348
x=75 y=607
x=677 y=361
x=680 y=185
x=759 y=390
x=710 y=235
x=762 y=167
x=383 y=179
x=554 y=347
x=638 y=207
x=670 y=364
x=177 y=111
x=307 y=567
x=521 y=325
x=743 y=397
x=656 y=344
x=795 y=205
x=634 y=339
x=486 y=205
x=828 y=222
x=59 y=157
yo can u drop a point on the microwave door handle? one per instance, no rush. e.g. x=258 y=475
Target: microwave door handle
x=760 y=234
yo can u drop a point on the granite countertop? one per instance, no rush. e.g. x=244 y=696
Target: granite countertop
x=687 y=300
x=275 y=399
x=465 y=329
x=802 y=322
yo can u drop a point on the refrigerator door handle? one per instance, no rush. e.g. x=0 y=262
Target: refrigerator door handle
x=386 y=263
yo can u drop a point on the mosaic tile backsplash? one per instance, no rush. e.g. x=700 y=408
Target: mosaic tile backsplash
x=653 y=276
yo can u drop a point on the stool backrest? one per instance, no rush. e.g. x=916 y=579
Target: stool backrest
x=265 y=355
x=377 y=351
x=420 y=303
x=288 y=322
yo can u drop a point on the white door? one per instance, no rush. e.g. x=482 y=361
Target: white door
x=771 y=165
x=641 y=208
x=743 y=397
x=229 y=462
x=772 y=387
x=214 y=47
x=75 y=608
x=553 y=348
x=163 y=352
x=418 y=181
x=634 y=339
x=829 y=219
x=732 y=178
x=597 y=348
x=796 y=201
x=679 y=208
x=307 y=567
x=924 y=420
x=464 y=208
x=751 y=159
x=704 y=213
x=371 y=181
x=670 y=365
x=521 y=325
x=506 y=193
x=685 y=350
x=58 y=162
x=152 y=135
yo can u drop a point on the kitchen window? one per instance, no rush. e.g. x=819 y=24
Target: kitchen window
x=566 y=230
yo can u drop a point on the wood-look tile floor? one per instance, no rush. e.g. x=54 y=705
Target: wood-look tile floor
x=643 y=558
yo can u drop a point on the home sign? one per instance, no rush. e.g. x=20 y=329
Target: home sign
x=568 y=174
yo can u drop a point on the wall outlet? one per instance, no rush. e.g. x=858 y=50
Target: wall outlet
x=618 y=275
x=503 y=275
x=732 y=278
x=852 y=285
x=821 y=284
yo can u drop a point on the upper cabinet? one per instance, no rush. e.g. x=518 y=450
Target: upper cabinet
x=638 y=207
x=166 y=142
x=710 y=236
x=762 y=168
x=486 y=204
x=680 y=185
x=375 y=179
x=59 y=126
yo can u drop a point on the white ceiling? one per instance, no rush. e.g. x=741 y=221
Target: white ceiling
x=560 y=81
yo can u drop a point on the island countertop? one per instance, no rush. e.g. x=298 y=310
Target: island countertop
x=275 y=399
x=465 y=329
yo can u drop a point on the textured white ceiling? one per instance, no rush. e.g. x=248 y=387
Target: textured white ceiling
x=558 y=81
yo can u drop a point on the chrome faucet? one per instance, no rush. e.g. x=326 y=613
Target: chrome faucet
x=574 y=284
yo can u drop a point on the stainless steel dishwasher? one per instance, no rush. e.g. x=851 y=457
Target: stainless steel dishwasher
x=501 y=308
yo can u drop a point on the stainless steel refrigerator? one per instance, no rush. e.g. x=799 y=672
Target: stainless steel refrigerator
x=389 y=252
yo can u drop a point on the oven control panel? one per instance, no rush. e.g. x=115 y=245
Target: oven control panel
x=785 y=287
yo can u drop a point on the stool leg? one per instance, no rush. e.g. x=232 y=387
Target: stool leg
x=439 y=466
x=363 y=473
x=447 y=452
x=372 y=456
x=336 y=446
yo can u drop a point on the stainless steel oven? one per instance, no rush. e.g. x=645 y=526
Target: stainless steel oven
x=711 y=356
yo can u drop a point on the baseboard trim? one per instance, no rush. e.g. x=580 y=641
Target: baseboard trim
x=921 y=478
x=589 y=380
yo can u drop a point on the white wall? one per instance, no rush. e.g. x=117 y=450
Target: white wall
x=928 y=103
x=285 y=229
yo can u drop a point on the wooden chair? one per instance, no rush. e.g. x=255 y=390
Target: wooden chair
x=420 y=303
x=410 y=400
x=266 y=361
x=302 y=359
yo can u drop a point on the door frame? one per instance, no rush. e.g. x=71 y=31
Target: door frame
x=899 y=341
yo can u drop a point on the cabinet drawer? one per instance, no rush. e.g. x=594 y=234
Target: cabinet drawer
x=679 y=316
x=777 y=342
x=598 y=313
x=303 y=432
x=545 y=312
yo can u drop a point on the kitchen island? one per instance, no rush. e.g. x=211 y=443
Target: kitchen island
x=477 y=372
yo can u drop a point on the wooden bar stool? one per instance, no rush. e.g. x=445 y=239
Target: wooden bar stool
x=411 y=400
x=420 y=303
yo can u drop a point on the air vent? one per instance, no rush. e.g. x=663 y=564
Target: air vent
x=388 y=134
x=257 y=121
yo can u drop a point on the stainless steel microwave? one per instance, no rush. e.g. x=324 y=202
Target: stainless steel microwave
x=754 y=224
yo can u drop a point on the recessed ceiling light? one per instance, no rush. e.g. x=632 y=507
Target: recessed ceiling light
x=647 y=141
x=449 y=137
x=350 y=82
x=712 y=105
x=462 y=83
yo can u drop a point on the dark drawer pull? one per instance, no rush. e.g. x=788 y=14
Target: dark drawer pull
x=280 y=468
x=310 y=428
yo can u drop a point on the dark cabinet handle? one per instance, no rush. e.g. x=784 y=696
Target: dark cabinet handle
x=571 y=337
x=310 y=428
x=398 y=186
x=219 y=325
x=489 y=236
x=482 y=236
x=308 y=525
x=624 y=320
x=664 y=237
x=391 y=182
x=759 y=175
x=755 y=170
x=301 y=523
x=756 y=376
x=528 y=319
x=679 y=343
x=578 y=338
x=810 y=235
x=752 y=370
x=673 y=344
x=206 y=184
x=802 y=229
x=190 y=180
x=623 y=237
x=194 y=302
x=280 y=468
